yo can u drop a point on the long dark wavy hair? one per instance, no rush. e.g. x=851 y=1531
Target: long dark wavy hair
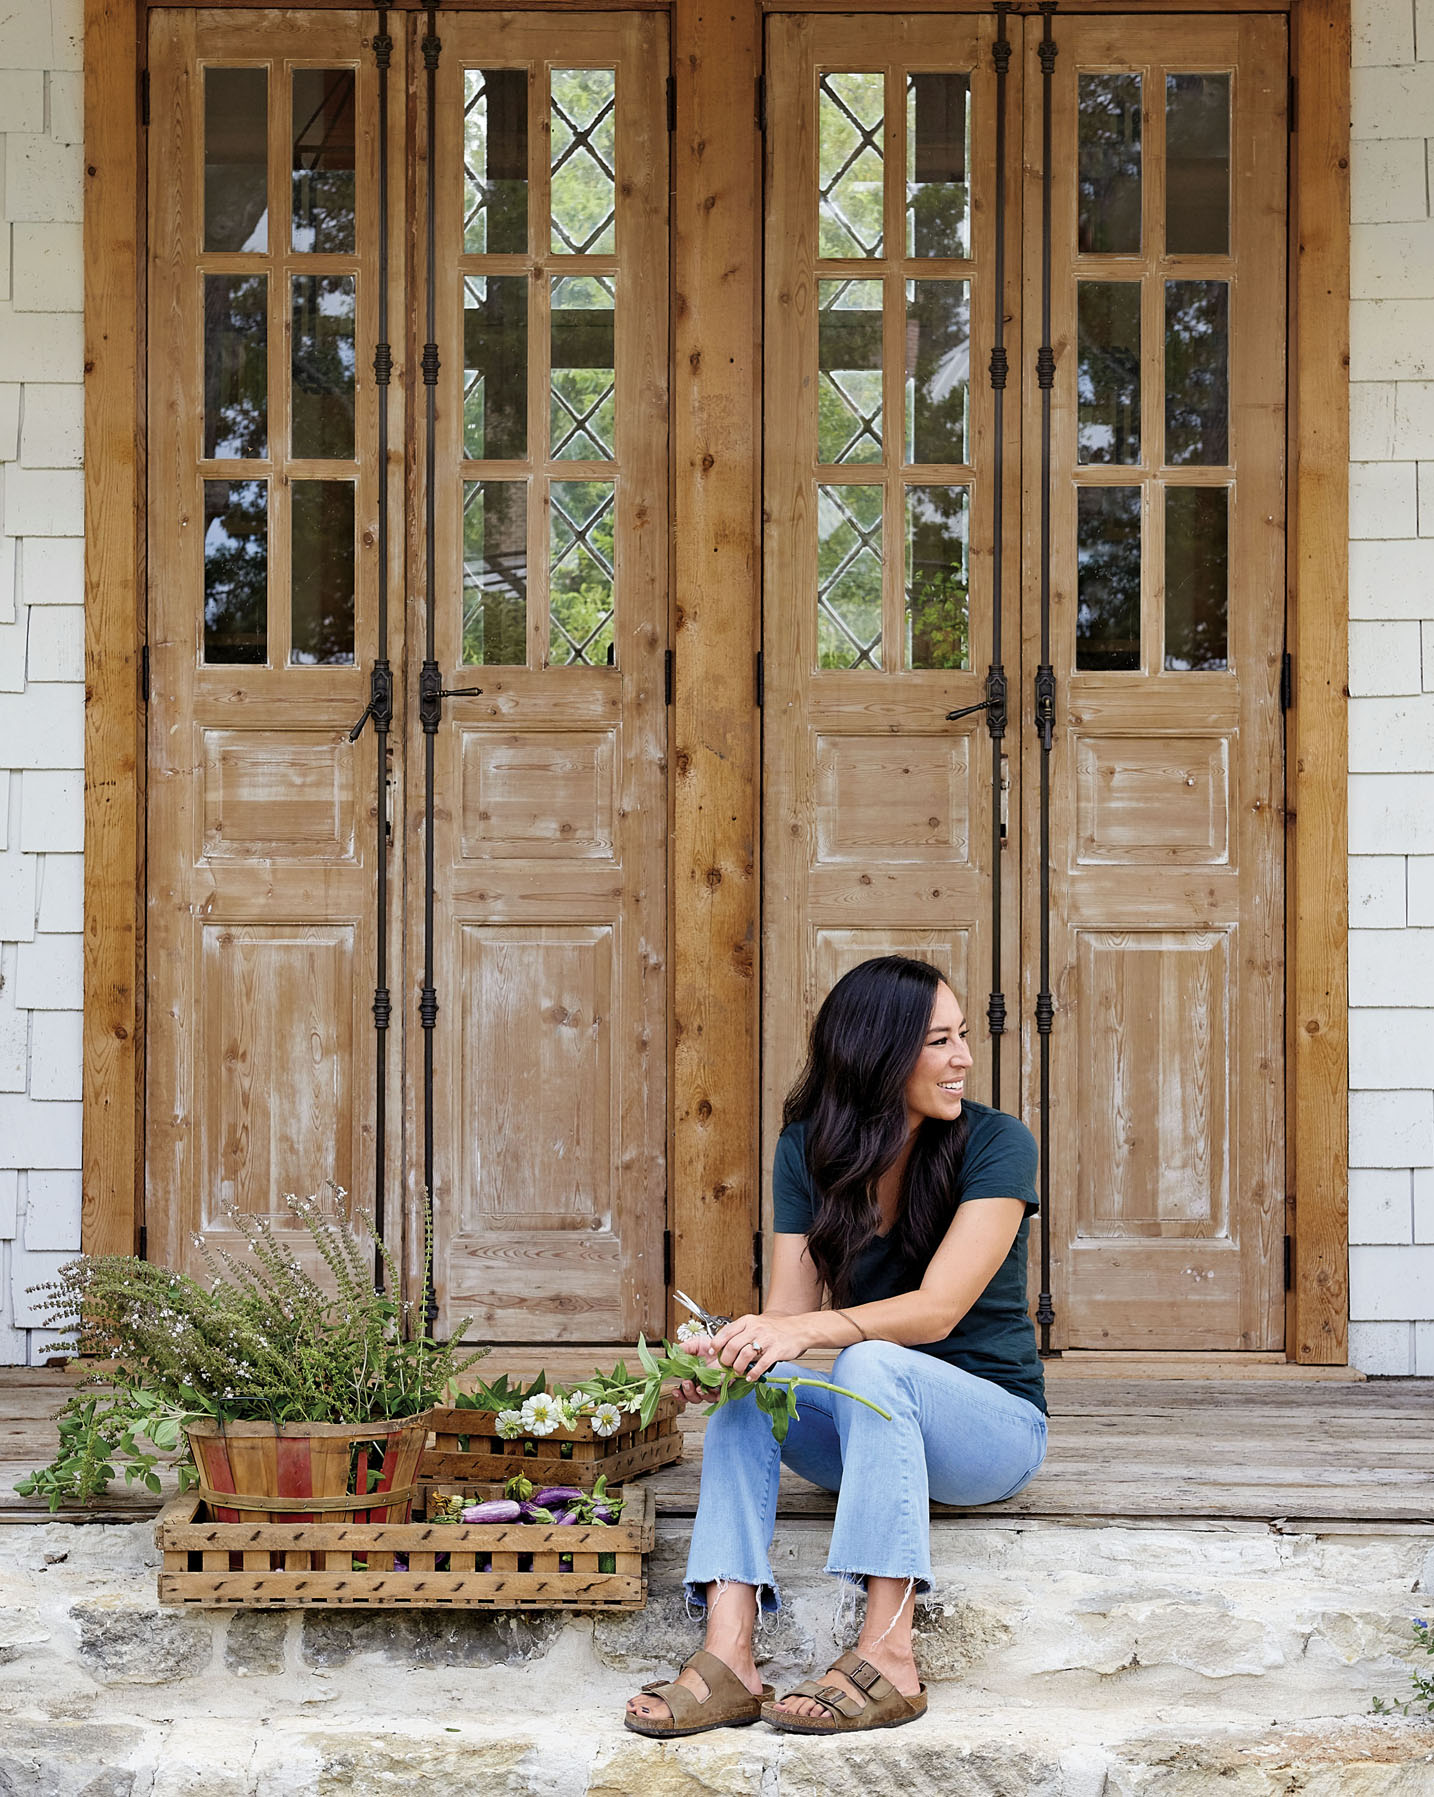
x=865 y=1044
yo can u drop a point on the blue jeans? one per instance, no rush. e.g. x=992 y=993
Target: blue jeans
x=952 y=1437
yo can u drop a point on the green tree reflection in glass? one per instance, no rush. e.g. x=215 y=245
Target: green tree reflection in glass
x=938 y=608
x=850 y=115
x=849 y=521
x=580 y=571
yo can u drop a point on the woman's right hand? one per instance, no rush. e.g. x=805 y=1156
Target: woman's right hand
x=688 y=1391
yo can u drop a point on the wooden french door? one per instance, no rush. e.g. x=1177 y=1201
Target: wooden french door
x=1140 y=609
x=405 y=935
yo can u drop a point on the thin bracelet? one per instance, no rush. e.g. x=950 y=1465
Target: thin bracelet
x=855 y=1325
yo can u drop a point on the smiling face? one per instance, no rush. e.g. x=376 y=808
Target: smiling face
x=938 y=1082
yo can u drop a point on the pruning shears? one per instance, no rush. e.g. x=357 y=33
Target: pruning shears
x=705 y=1317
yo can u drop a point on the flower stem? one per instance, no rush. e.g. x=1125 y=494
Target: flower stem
x=823 y=1385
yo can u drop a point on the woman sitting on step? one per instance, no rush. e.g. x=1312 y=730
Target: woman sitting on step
x=907 y=1203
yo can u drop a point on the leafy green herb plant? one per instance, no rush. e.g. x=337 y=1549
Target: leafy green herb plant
x=264 y=1341
x=1421 y=1700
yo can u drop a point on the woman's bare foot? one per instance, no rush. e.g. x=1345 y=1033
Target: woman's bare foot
x=645 y=1704
x=893 y=1664
x=731 y=1617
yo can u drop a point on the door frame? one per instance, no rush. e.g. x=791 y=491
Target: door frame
x=716 y=590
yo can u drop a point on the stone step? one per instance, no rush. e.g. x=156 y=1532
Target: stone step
x=1063 y=1661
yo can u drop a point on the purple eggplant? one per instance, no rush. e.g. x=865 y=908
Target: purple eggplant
x=602 y=1514
x=495 y=1510
x=535 y=1512
x=562 y=1518
x=557 y=1494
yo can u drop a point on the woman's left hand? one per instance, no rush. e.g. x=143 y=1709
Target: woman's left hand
x=752 y=1345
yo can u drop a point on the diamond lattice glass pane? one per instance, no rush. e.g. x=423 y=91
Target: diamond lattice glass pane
x=236 y=159
x=938 y=367
x=1108 y=578
x=1197 y=165
x=849 y=577
x=580 y=571
x=323 y=161
x=495 y=573
x=1108 y=371
x=584 y=221
x=495 y=161
x=849 y=371
x=495 y=367
x=938 y=155
x=321 y=573
x=850 y=115
x=1197 y=578
x=323 y=366
x=1197 y=372
x=236 y=571
x=236 y=365
x=583 y=395
x=938 y=581
x=1109 y=165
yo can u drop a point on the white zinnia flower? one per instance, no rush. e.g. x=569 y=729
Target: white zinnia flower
x=541 y=1414
x=607 y=1419
x=510 y=1424
x=688 y=1332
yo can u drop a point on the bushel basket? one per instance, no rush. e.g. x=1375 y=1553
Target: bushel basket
x=309 y=1472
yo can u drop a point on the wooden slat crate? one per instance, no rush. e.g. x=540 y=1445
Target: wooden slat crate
x=566 y=1457
x=489 y=1566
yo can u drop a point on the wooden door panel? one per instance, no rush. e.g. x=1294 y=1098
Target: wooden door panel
x=550 y=817
x=1166 y=1113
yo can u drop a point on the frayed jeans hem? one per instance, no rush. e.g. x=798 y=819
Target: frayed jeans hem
x=769 y=1596
x=921 y=1580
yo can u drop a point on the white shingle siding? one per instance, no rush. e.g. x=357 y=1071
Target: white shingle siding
x=1391 y=783
x=1391 y=685
x=41 y=653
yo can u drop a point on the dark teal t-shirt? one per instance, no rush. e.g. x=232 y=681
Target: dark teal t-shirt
x=995 y=1339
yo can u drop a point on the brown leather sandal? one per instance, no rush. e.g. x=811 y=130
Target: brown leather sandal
x=883 y=1706
x=728 y=1703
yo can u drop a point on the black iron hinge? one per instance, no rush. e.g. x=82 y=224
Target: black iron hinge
x=144 y=674
x=1289 y=1263
x=143 y=1242
x=144 y=96
x=757 y=1269
x=667 y=676
x=671 y=103
x=761 y=682
x=1287 y=681
x=666 y=1259
x=762 y=104
x=1293 y=107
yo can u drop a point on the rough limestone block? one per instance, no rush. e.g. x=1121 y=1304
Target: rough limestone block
x=56 y=1053
x=52 y=434
x=52 y=811
x=44 y=502
x=18 y=879
x=332 y=1638
x=1389 y=814
x=1392 y=102
x=22 y=94
x=67 y=106
x=1424 y=1204
x=1387 y=181
x=69 y=1759
x=48 y=271
x=62 y=894
x=44 y=180
x=1392 y=262
x=40 y=346
x=1392 y=736
x=1384 y=654
x=1380 y=1206
x=1413 y=420
x=255 y=1642
x=1382 y=1350
x=49 y=974
x=1392 y=1129
x=127 y=1643
x=56 y=643
x=1389 y=1285
x=1392 y=580
x=1384 y=496
x=52 y=570
x=1376 y=892
x=45 y=728
x=52 y=1211
x=1371 y=421
x=1390 y=1050
x=1383 y=32
x=1386 y=967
